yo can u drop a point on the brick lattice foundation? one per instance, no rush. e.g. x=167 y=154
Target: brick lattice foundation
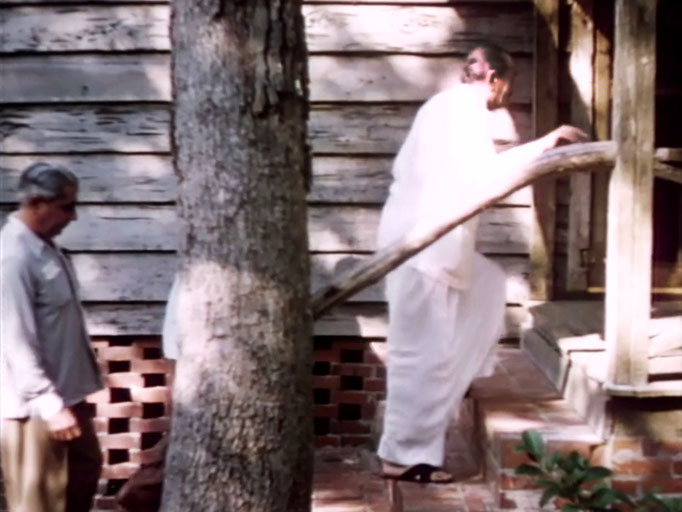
x=133 y=412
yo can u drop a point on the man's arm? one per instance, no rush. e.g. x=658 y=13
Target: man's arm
x=521 y=156
x=21 y=350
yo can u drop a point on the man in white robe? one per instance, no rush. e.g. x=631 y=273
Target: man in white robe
x=446 y=304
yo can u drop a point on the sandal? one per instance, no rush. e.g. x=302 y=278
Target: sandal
x=421 y=474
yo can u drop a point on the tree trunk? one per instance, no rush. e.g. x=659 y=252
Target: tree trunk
x=242 y=428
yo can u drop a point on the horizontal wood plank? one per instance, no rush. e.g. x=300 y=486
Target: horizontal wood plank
x=150 y=179
x=146 y=77
x=85 y=78
x=329 y=28
x=333 y=129
x=366 y=320
x=91 y=129
x=135 y=277
x=331 y=229
x=416 y=29
x=63 y=28
x=103 y=178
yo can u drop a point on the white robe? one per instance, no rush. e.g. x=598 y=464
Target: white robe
x=446 y=304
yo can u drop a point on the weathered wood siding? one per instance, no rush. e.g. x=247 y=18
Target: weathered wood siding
x=87 y=84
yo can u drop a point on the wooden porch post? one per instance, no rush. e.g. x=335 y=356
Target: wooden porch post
x=629 y=239
x=545 y=118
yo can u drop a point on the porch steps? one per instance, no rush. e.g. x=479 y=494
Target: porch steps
x=515 y=398
x=481 y=455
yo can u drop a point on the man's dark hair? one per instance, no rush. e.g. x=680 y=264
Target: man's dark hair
x=499 y=60
x=46 y=181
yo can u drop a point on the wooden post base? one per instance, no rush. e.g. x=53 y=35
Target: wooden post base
x=395 y=495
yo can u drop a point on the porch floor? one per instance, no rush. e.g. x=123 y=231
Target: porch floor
x=518 y=396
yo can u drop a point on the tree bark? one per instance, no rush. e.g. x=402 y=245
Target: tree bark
x=592 y=156
x=242 y=427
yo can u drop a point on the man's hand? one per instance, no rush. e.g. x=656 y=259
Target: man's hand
x=565 y=134
x=63 y=426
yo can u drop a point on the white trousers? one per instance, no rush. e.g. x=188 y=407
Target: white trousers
x=439 y=340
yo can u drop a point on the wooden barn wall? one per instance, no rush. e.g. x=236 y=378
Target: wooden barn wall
x=87 y=84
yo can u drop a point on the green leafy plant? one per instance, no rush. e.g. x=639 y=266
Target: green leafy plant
x=578 y=484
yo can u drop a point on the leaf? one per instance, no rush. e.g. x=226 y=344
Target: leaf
x=527 y=469
x=533 y=444
x=547 y=495
x=603 y=497
x=595 y=473
x=549 y=463
x=570 y=508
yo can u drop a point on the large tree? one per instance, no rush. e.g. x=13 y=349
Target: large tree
x=242 y=430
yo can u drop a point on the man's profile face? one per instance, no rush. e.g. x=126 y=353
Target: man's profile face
x=500 y=91
x=55 y=214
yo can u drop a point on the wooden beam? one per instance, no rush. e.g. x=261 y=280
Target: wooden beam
x=545 y=118
x=577 y=157
x=603 y=19
x=580 y=64
x=629 y=247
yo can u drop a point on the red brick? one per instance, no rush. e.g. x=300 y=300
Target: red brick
x=152 y=365
x=351 y=427
x=509 y=481
x=321 y=441
x=99 y=344
x=327 y=356
x=120 y=410
x=101 y=424
x=350 y=397
x=326 y=381
x=633 y=445
x=124 y=380
x=138 y=456
x=629 y=487
x=662 y=484
x=508 y=457
x=566 y=447
x=377 y=385
x=677 y=467
x=326 y=411
x=155 y=394
x=380 y=372
x=146 y=425
x=123 y=441
x=637 y=467
x=661 y=448
x=120 y=353
x=103 y=396
x=147 y=342
x=369 y=411
x=356 y=370
x=355 y=441
x=119 y=471
x=372 y=358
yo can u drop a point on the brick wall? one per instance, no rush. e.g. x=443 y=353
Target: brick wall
x=646 y=447
x=349 y=381
x=132 y=413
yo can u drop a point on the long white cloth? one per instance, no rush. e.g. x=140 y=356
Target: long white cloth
x=446 y=304
x=440 y=339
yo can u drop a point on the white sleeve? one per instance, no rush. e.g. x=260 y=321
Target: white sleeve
x=21 y=349
x=170 y=337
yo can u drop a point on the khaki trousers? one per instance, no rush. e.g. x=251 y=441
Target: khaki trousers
x=44 y=475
